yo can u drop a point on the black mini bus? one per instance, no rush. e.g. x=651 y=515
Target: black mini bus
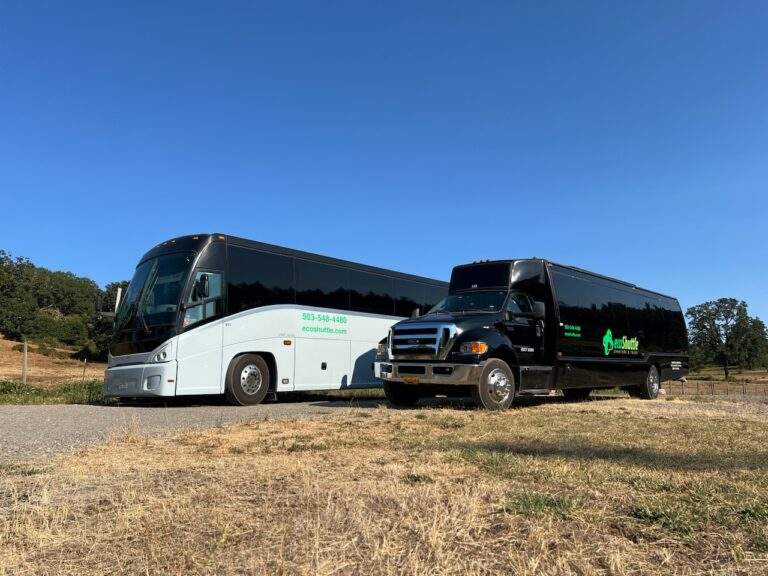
x=530 y=327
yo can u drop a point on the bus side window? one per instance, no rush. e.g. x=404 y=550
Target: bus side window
x=519 y=303
x=209 y=306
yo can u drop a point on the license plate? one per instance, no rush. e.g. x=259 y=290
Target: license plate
x=410 y=380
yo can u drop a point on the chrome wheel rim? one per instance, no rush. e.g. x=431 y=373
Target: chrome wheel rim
x=499 y=385
x=653 y=381
x=250 y=379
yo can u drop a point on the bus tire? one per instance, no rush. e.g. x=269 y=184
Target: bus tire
x=577 y=394
x=248 y=380
x=649 y=390
x=496 y=389
x=401 y=395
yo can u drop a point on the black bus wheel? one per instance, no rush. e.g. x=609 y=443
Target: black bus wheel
x=577 y=394
x=650 y=389
x=401 y=395
x=247 y=380
x=496 y=389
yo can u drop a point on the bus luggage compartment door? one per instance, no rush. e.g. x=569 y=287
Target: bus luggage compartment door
x=321 y=364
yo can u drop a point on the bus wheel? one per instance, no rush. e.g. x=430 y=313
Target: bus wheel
x=496 y=389
x=401 y=395
x=577 y=394
x=650 y=389
x=247 y=380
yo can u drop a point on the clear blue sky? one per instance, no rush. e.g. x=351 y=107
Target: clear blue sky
x=628 y=138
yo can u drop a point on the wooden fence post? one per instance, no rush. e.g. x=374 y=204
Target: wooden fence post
x=24 y=362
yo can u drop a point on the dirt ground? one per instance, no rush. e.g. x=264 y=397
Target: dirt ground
x=43 y=370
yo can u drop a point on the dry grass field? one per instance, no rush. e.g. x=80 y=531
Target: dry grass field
x=613 y=487
x=44 y=370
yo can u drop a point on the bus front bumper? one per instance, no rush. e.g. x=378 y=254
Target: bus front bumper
x=136 y=380
x=420 y=373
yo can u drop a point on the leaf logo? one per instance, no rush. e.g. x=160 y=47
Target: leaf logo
x=608 y=342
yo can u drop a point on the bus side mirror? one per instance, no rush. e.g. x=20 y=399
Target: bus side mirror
x=539 y=310
x=202 y=287
x=416 y=313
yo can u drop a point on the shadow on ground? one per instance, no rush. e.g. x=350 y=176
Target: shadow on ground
x=645 y=457
x=366 y=399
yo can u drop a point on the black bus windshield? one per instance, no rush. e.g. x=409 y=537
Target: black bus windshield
x=480 y=301
x=153 y=295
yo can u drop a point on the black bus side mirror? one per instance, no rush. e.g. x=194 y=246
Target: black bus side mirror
x=202 y=287
x=539 y=310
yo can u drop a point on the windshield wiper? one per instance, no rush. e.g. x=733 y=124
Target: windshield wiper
x=147 y=287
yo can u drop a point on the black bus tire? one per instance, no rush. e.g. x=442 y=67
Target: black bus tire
x=649 y=390
x=496 y=389
x=401 y=395
x=248 y=380
x=577 y=394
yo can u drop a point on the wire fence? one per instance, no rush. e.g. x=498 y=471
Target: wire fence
x=747 y=389
x=45 y=370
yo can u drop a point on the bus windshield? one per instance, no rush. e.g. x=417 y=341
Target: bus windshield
x=481 y=301
x=153 y=295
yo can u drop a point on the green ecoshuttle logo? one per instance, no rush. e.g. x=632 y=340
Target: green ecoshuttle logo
x=611 y=344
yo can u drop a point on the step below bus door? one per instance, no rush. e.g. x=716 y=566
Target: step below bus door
x=536 y=378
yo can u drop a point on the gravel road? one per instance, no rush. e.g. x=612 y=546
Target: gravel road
x=39 y=431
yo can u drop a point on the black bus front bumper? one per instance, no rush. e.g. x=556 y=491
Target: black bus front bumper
x=423 y=373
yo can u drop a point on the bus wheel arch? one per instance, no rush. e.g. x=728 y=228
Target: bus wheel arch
x=508 y=356
x=250 y=377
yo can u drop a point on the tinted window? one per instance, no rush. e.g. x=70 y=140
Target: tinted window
x=519 y=303
x=480 y=276
x=214 y=285
x=591 y=306
x=409 y=296
x=258 y=279
x=322 y=285
x=371 y=293
x=473 y=301
x=210 y=307
x=434 y=294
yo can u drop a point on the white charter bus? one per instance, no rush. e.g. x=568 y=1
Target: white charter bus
x=214 y=314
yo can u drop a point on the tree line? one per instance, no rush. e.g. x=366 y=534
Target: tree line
x=59 y=308
x=722 y=332
x=54 y=308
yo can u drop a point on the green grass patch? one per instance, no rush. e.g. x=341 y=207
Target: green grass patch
x=88 y=392
x=501 y=464
x=755 y=512
x=668 y=519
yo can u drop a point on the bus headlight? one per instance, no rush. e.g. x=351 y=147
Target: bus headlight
x=160 y=356
x=473 y=348
x=381 y=350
